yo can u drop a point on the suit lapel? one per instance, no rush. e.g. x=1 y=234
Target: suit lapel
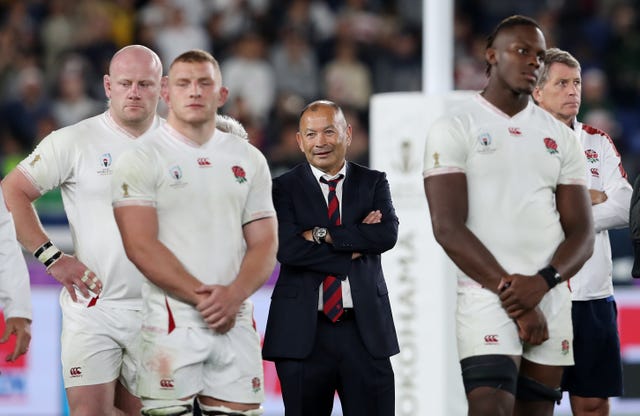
x=312 y=193
x=350 y=190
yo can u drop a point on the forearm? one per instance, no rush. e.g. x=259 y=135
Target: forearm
x=472 y=257
x=164 y=270
x=259 y=259
x=572 y=253
x=19 y=200
x=576 y=217
x=614 y=211
x=255 y=270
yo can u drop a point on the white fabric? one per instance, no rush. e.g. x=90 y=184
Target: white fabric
x=512 y=166
x=483 y=327
x=15 y=292
x=203 y=195
x=78 y=159
x=198 y=360
x=99 y=344
x=604 y=173
x=347 y=301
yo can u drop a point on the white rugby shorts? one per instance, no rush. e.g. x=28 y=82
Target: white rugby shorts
x=483 y=327
x=195 y=360
x=98 y=344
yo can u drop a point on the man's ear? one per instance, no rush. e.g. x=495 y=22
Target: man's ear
x=164 y=88
x=537 y=94
x=490 y=56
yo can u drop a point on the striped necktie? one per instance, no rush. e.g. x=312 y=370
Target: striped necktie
x=331 y=286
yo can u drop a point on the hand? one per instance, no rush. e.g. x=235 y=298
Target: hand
x=70 y=272
x=219 y=307
x=532 y=327
x=21 y=328
x=374 y=217
x=308 y=235
x=597 y=197
x=519 y=293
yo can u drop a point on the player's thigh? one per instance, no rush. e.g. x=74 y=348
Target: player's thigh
x=558 y=349
x=483 y=327
x=94 y=342
x=234 y=371
x=170 y=365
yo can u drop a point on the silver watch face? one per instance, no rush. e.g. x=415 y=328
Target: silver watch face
x=321 y=232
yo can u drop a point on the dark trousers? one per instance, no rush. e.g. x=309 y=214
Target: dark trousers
x=338 y=363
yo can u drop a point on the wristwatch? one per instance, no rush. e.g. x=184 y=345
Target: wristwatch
x=319 y=234
x=551 y=276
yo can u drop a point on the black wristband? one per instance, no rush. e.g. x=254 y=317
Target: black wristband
x=551 y=276
x=42 y=248
x=53 y=259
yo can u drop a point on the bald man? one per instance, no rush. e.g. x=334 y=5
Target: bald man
x=101 y=299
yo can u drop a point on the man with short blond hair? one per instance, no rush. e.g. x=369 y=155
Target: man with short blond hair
x=194 y=208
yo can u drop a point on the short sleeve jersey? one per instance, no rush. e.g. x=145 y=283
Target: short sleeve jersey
x=512 y=167
x=79 y=160
x=203 y=195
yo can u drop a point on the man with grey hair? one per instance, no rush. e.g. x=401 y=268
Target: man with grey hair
x=597 y=373
x=102 y=298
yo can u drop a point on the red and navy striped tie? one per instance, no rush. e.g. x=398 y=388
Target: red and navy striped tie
x=331 y=286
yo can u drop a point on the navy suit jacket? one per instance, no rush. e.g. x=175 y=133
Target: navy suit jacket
x=301 y=205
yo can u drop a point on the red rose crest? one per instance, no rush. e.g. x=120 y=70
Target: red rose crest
x=551 y=145
x=239 y=173
x=592 y=155
x=255 y=384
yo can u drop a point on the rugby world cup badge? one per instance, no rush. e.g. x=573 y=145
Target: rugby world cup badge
x=104 y=162
x=486 y=144
x=175 y=172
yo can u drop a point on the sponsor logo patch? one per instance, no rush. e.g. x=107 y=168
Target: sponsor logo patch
x=491 y=339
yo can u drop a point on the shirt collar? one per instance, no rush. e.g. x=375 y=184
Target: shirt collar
x=319 y=174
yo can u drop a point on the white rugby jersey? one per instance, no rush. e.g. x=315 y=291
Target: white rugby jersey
x=15 y=292
x=79 y=160
x=512 y=166
x=203 y=195
x=604 y=173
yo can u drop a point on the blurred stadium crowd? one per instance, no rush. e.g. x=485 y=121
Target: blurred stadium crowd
x=278 y=55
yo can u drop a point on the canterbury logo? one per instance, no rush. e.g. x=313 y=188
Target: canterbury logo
x=75 y=371
x=515 y=131
x=204 y=161
x=491 y=339
x=166 y=383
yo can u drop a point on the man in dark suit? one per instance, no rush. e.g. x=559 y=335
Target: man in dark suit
x=330 y=326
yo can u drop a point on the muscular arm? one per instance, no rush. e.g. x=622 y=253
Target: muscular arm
x=574 y=206
x=223 y=302
x=19 y=194
x=139 y=230
x=448 y=205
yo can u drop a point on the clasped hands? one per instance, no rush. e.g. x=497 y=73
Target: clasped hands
x=520 y=296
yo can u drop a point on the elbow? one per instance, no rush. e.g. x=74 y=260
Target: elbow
x=444 y=233
x=136 y=254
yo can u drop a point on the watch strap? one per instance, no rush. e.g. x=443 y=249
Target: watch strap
x=550 y=275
